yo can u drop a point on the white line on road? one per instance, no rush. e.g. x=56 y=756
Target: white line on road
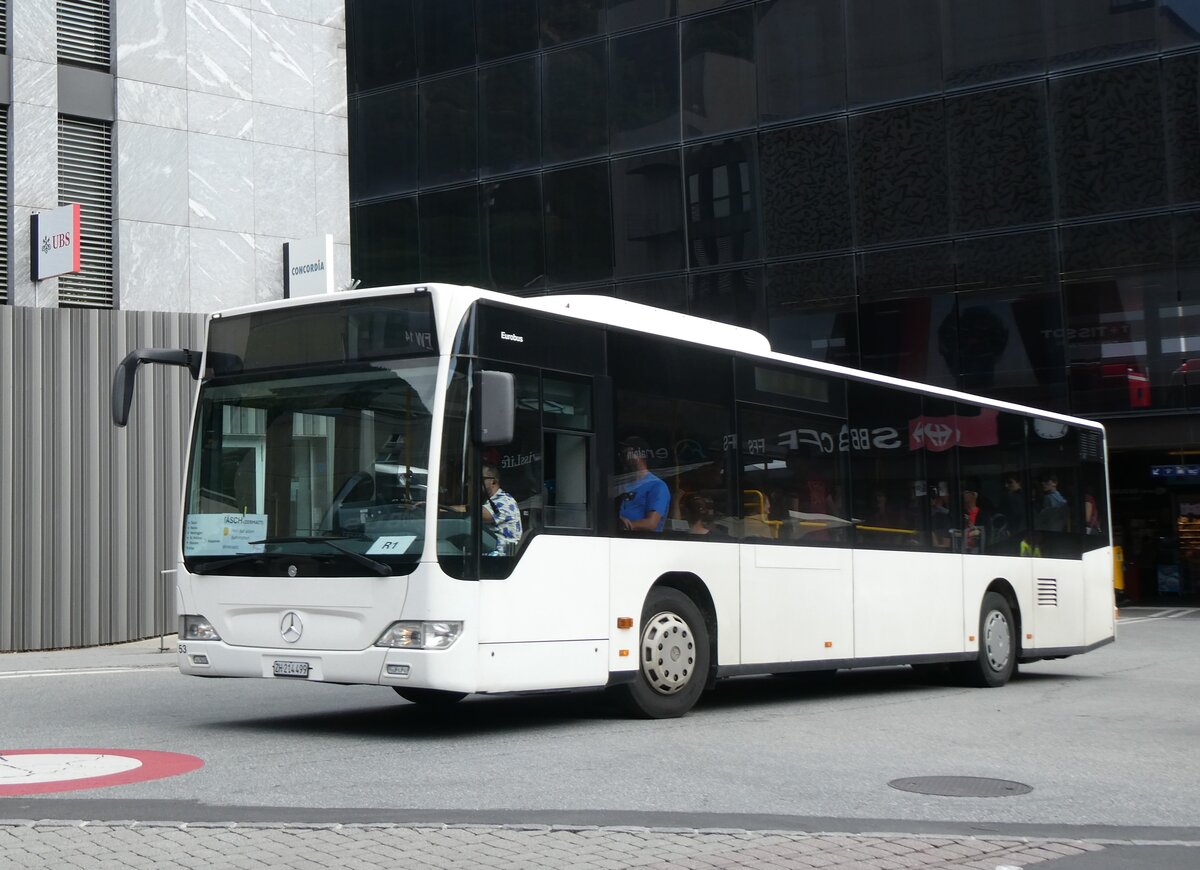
x=82 y=672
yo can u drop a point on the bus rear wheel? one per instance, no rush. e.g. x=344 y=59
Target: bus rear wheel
x=673 y=657
x=997 y=659
x=429 y=697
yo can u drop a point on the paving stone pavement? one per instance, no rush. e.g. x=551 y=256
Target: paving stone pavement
x=29 y=845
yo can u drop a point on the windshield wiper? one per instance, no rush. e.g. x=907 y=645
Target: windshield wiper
x=214 y=567
x=366 y=561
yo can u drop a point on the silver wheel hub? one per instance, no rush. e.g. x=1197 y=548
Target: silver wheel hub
x=997 y=640
x=668 y=653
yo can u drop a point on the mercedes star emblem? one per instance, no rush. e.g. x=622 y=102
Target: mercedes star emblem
x=290 y=627
x=293 y=570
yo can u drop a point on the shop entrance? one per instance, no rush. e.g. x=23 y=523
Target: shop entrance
x=1156 y=520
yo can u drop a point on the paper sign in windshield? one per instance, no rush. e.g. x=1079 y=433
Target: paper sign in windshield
x=391 y=545
x=224 y=534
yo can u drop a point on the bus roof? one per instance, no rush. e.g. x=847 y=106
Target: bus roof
x=637 y=317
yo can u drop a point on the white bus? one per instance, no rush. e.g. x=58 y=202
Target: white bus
x=449 y=491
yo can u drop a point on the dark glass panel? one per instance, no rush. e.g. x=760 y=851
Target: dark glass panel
x=690 y=7
x=383 y=143
x=1181 y=77
x=999 y=158
x=383 y=242
x=721 y=179
x=733 y=297
x=383 y=45
x=1118 y=281
x=899 y=161
x=445 y=35
x=509 y=138
x=812 y=310
x=1184 y=325
x=898 y=507
x=894 y=50
x=1178 y=23
x=1108 y=131
x=1054 y=459
x=669 y=293
x=801 y=58
x=1010 y=330
x=908 y=314
x=648 y=213
x=793 y=480
x=806 y=188
x=995 y=504
x=574 y=103
x=568 y=20
x=1083 y=32
x=578 y=224
x=506 y=27
x=993 y=41
x=447 y=124
x=719 y=81
x=645 y=89
x=633 y=13
x=450 y=236
x=512 y=244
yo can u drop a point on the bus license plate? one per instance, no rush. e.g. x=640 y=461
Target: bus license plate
x=291 y=669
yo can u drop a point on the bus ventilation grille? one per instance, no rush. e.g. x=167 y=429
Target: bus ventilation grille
x=1047 y=592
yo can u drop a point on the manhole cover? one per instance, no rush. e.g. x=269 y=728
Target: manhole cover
x=961 y=786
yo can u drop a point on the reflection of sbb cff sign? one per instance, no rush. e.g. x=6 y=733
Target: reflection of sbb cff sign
x=54 y=242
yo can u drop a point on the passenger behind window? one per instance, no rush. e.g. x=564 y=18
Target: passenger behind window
x=700 y=516
x=939 y=515
x=644 y=499
x=977 y=518
x=1052 y=515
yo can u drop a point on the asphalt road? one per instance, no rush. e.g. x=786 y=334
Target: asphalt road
x=1107 y=742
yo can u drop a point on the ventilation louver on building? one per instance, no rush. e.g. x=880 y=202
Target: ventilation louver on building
x=85 y=33
x=85 y=177
x=3 y=195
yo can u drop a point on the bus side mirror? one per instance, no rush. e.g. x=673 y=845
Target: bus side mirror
x=495 y=407
x=126 y=374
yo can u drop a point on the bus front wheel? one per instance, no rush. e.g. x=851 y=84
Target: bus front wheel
x=997 y=659
x=673 y=656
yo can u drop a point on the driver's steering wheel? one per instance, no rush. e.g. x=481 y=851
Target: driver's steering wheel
x=332 y=519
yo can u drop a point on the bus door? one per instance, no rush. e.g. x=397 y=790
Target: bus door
x=548 y=582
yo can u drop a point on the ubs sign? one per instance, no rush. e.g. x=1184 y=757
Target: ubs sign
x=55 y=242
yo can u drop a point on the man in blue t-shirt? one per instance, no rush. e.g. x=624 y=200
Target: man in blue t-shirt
x=644 y=497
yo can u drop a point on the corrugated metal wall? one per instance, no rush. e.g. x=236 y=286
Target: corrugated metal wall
x=88 y=513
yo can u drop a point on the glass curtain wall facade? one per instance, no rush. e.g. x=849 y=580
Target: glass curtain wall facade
x=1002 y=197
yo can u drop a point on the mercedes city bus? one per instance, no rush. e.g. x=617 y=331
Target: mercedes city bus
x=448 y=491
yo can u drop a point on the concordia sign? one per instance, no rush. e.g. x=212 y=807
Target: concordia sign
x=308 y=267
x=54 y=242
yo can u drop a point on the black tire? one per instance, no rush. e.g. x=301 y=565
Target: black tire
x=673 y=657
x=998 y=645
x=429 y=697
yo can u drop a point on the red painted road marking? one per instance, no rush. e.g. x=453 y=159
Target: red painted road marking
x=38 y=771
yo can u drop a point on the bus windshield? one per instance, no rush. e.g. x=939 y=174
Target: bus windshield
x=318 y=474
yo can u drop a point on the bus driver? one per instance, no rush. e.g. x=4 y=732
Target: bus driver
x=645 y=499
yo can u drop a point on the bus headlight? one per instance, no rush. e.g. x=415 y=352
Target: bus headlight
x=193 y=627
x=420 y=635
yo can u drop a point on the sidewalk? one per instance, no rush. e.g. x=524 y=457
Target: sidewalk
x=152 y=652
x=508 y=847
